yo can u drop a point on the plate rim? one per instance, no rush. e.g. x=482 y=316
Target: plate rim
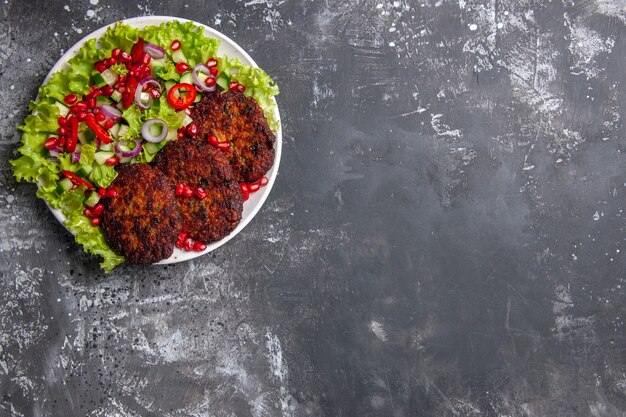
x=178 y=255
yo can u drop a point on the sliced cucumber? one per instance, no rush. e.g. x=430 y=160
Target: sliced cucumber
x=106 y=77
x=179 y=56
x=102 y=156
x=92 y=199
x=172 y=134
x=63 y=185
x=122 y=131
x=63 y=109
x=116 y=96
x=186 y=78
x=169 y=84
x=114 y=129
x=153 y=148
x=102 y=100
x=223 y=81
x=187 y=120
x=198 y=98
x=86 y=136
x=84 y=170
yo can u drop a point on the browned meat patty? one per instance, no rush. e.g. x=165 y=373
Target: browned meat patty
x=143 y=221
x=233 y=117
x=198 y=164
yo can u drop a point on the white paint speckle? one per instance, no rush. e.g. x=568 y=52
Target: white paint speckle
x=12 y=87
x=378 y=330
x=90 y=13
x=392 y=44
x=67 y=8
x=94 y=2
x=596 y=216
x=473 y=26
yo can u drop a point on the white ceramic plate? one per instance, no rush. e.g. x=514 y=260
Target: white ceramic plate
x=232 y=50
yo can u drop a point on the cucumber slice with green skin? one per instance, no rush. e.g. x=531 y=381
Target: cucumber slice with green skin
x=169 y=84
x=179 y=56
x=172 y=134
x=63 y=109
x=116 y=96
x=84 y=170
x=92 y=199
x=114 y=130
x=106 y=77
x=186 y=78
x=63 y=185
x=153 y=148
x=187 y=120
x=102 y=156
x=123 y=131
x=223 y=82
x=198 y=98
x=106 y=147
x=101 y=101
x=86 y=136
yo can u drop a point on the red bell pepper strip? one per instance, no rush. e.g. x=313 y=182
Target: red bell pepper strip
x=77 y=180
x=137 y=52
x=72 y=139
x=100 y=132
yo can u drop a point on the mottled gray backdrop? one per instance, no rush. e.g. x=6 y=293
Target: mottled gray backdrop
x=445 y=237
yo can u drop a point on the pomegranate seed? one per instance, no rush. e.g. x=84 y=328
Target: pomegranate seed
x=210 y=81
x=95 y=222
x=155 y=94
x=223 y=146
x=187 y=191
x=199 y=246
x=88 y=213
x=254 y=187
x=240 y=88
x=92 y=90
x=111 y=61
x=182 y=236
x=181 y=134
x=61 y=142
x=175 y=46
x=50 y=143
x=70 y=99
x=179 y=189
x=102 y=192
x=98 y=209
x=78 y=107
x=243 y=186
x=62 y=131
x=182 y=67
x=264 y=181
x=112 y=193
x=180 y=244
x=211 y=62
x=97 y=111
x=192 y=129
x=100 y=66
x=100 y=117
x=107 y=90
x=245 y=195
x=117 y=52
x=125 y=58
x=81 y=116
x=189 y=244
x=61 y=121
x=232 y=85
x=91 y=102
x=213 y=71
x=145 y=59
x=108 y=123
x=213 y=140
x=114 y=160
x=200 y=193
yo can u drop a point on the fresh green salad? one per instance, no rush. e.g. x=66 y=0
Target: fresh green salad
x=119 y=101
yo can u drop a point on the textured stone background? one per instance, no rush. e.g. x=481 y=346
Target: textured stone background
x=445 y=237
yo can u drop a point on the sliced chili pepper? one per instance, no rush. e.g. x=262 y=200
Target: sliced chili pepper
x=181 y=95
x=137 y=52
x=129 y=93
x=77 y=180
x=100 y=132
x=72 y=139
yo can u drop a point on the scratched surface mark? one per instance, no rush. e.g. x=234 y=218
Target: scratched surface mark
x=445 y=236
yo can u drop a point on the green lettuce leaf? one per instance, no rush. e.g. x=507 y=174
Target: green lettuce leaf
x=102 y=175
x=195 y=46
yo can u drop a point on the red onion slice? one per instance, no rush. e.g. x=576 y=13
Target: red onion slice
x=111 y=112
x=139 y=90
x=130 y=153
x=75 y=157
x=155 y=51
x=54 y=152
x=147 y=134
x=199 y=84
